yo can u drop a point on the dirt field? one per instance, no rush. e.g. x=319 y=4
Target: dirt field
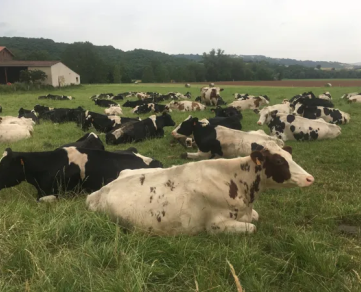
x=293 y=83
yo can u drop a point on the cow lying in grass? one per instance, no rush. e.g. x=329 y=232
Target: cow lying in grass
x=214 y=196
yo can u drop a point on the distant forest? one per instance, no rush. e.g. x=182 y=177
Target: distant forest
x=105 y=64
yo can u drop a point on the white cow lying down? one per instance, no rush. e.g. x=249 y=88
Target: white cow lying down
x=212 y=195
x=15 y=120
x=13 y=132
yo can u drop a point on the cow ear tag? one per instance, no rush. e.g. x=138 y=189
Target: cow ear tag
x=258 y=162
x=22 y=162
x=194 y=124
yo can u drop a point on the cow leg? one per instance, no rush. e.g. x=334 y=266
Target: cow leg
x=255 y=215
x=198 y=155
x=48 y=199
x=232 y=226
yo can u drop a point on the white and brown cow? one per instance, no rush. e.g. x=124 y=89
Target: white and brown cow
x=210 y=95
x=114 y=110
x=355 y=98
x=291 y=127
x=215 y=196
x=251 y=103
x=186 y=106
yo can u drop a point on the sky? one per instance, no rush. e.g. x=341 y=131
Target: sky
x=319 y=30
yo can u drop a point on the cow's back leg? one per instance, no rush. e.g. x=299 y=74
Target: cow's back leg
x=197 y=155
x=231 y=226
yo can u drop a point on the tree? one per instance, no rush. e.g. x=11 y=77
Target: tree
x=41 y=55
x=116 y=74
x=148 y=75
x=25 y=76
x=32 y=76
x=318 y=67
x=126 y=78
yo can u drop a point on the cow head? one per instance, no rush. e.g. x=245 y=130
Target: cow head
x=265 y=116
x=277 y=166
x=165 y=120
x=11 y=169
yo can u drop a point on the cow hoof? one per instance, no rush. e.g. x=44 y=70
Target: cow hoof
x=48 y=199
x=255 y=215
x=251 y=228
x=184 y=156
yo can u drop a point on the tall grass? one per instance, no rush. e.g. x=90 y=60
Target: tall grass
x=298 y=247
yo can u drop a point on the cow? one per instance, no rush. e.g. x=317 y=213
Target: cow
x=102 y=96
x=29 y=114
x=149 y=128
x=242 y=96
x=326 y=95
x=67 y=169
x=105 y=102
x=117 y=97
x=309 y=99
x=113 y=110
x=135 y=103
x=330 y=115
x=151 y=107
x=210 y=95
x=348 y=95
x=185 y=129
x=186 y=106
x=179 y=95
x=265 y=113
x=355 y=98
x=251 y=103
x=212 y=196
x=226 y=112
x=10 y=133
x=64 y=115
x=56 y=97
x=290 y=127
x=88 y=141
x=40 y=109
x=5 y=120
x=142 y=95
x=219 y=141
x=211 y=84
x=187 y=85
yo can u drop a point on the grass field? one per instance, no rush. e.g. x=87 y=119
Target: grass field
x=63 y=247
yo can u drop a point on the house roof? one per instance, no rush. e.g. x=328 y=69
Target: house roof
x=4 y=48
x=15 y=63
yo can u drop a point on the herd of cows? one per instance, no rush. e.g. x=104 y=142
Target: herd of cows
x=213 y=195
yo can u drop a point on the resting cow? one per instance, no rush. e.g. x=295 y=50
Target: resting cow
x=113 y=110
x=330 y=115
x=10 y=133
x=290 y=127
x=67 y=169
x=151 y=127
x=29 y=114
x=251 y=103
x=186 y=106
x=226 y=112
x=215 y=196
x=326 y=95
x=355 y=98
x=88 y=141
x=105 y=102
x=219 y=141
x=265 y=113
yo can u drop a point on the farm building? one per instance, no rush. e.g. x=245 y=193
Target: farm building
x=58 y=73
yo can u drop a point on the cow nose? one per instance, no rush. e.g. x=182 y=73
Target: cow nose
x=310 y=179
x=259 y=123
x=173 y=134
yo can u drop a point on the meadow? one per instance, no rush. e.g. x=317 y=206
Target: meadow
x=298 y=246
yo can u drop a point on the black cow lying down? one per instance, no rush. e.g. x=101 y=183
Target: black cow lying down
x=68 y=169
x=88 y=141
x=151 y=127
x=29 y=114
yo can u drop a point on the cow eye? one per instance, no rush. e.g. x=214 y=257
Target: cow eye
x=278 y=161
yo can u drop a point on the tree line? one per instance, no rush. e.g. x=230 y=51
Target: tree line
x=105 y=64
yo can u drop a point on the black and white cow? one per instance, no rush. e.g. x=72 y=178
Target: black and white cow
x=330 y=115
x=226 y=112
x=102 y=96
x=56 y=97
x=151 y=107
x=67 y=169
x=149 y=128
x=309 y=99
x=135 y=103
x=219 y=141
x=105 y=102
x=290 y=127
x=326 y=95
x=41 y=109
x=64 y=115
x=215 y=196
x=29 y=114
x=88 y=141
x=265 y=113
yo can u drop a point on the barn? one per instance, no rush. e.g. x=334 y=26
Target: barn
x=58 y=73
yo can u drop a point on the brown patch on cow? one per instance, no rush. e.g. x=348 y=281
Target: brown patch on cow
x=180 y=106
x=230 y=215
x=163 y=213
x=245 y=167
x=159 y=219
x=151 y=213
x=215 y=227
x=142 y=179
x=257 y=101
x=150 y=199
x=255 y=188
x=233 y=190
x=196 y=106
x=235 y=175
x=152 y=190
x=258 y=168
x=213 y=93
x=170 y=185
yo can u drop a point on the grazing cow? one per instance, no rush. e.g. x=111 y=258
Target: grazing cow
x=186 y=106
x=330 y=115
x=105 y=102
x=211 y=95
x=215 y=196
x=29 y=114
x=226 y=112
x=10 y=133
x=355 y=98
x=114 y=110
x=66 y=169
x=326 y=95
x=88 y=141
x=290 y=127
x=149 y=128
x=251 y=103
x=265 y=113
x=185 y=129
x=219 y=141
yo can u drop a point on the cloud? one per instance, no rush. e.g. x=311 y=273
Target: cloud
x=316 y=30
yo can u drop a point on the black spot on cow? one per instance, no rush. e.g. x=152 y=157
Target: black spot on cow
x=258 y=168
x=326 y=111
x=215 y=227
x=310 y=128
x=153 y=190
x=170 y=185
x=142 y=179
x=313 y=135
x=290 y=118
x=276 y=124
x=233 y=190
x=150 y=199
x=230 y=215
x=163 y=213
x=254 y=188
x=159 y=218
x=245 y=167
x=292 y=128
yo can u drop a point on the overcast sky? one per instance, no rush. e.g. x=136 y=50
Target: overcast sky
x=322 y=30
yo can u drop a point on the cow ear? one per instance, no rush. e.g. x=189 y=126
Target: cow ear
x=257 y=157
x=274 y=113
x=256 y=147
x=221 y=89
x=288 y=149
x=256 y=111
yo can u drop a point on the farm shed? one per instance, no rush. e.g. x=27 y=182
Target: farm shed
x=58 y=73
